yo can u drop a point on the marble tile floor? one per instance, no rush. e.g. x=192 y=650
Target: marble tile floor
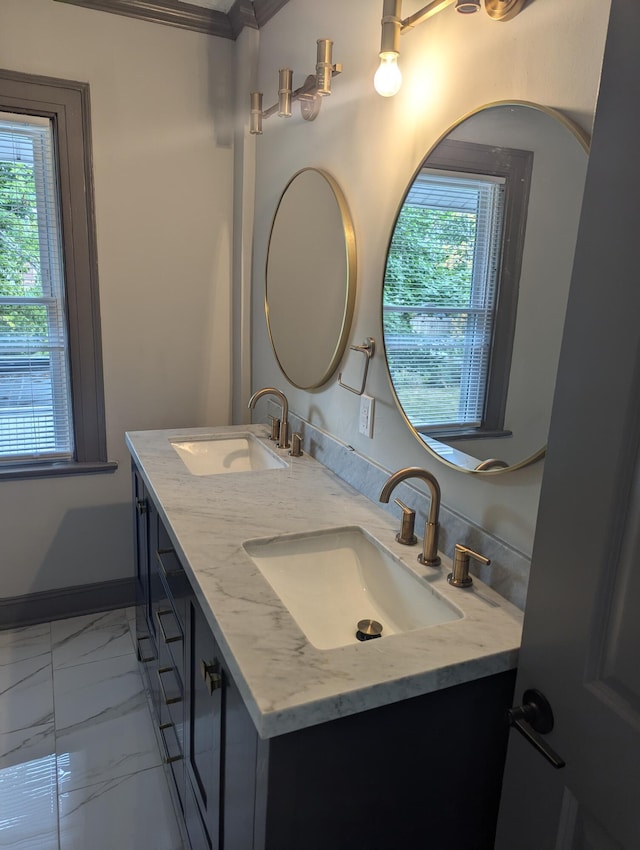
x=80 y=767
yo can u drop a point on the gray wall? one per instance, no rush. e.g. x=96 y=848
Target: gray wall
x=452 y=64
x=163 y=166
x=164 y=170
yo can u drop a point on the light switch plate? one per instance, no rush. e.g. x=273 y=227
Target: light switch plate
x=366 y=415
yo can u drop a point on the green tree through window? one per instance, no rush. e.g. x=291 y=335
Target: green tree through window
x=20 y=271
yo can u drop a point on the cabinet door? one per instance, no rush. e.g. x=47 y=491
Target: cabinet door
x=146 y=544
x=149 y=586
x=155 y=591
x=145 y=648
x=204 y=721
x=198 y=838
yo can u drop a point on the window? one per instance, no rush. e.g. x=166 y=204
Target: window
x=34 y=354
x=449 y=294
x=51 y=396
x=441 y=323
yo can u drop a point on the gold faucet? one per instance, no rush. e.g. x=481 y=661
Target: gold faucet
x=429 y=555
x=283 y=434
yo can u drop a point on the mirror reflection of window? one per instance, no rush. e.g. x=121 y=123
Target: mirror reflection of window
x=440 y=296
x=451 y=288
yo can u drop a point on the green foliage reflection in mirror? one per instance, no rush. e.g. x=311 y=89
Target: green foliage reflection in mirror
x=475 y=286
x=440 y=298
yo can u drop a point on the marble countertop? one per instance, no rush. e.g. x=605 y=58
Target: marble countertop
x=286 y=682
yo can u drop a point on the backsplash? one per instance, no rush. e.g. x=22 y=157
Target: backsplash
x=508 y=573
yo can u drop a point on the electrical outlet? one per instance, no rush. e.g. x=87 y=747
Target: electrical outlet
x=366 y=415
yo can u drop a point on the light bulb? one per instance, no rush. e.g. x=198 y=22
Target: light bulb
x=388 y=78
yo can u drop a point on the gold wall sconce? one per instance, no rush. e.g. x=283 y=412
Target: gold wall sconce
x=309 y=94
x=388 y=79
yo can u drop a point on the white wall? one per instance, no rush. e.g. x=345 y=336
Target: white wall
x=163 y=169
x=550 y=54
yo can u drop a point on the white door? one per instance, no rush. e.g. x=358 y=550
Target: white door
x=581 y=642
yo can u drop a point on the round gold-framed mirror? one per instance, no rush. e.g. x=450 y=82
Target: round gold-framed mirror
x=310 y=278
x=476 y=283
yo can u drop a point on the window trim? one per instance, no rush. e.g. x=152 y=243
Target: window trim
x=67 y=103
x=516 y=167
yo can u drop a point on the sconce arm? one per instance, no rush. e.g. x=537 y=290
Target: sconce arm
x=308 y=88
x=500 y=10
x=424 y=14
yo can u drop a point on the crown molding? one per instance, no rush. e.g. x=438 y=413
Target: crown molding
x=266 y=9
x=177 y=13
x=242 y=14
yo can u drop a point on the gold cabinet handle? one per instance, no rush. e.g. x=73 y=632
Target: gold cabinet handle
x=160 y=613
x=166 y=699
x=167 y=759
x=140 y=654
x=168 y=573
x=211 y=675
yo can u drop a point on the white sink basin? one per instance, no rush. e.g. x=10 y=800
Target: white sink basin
x=237 y=452
x=330 y=580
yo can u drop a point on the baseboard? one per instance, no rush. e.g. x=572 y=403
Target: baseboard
x=16 y=611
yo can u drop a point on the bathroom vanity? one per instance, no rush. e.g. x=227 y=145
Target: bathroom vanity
x=271 y=741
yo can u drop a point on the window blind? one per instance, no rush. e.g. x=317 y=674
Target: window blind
x=35 y=396
x=440 y=297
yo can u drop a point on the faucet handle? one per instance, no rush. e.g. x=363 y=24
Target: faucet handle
x=296 y=445
x=460 y=576
x=275 y=428
x=406 y=534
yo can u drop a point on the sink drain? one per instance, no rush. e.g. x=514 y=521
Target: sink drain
x=368 y=630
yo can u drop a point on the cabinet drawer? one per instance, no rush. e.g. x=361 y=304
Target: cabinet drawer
x=204 y=721
x=174 y=761
x=171 y=694
x=198 y=835
x=171 y=745
x=172 y=572
x=170 y=637
x=171 y=733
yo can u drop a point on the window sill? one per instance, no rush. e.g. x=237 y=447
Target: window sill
x=46 y=470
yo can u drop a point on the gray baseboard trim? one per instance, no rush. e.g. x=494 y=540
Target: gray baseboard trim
x=16 y=611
